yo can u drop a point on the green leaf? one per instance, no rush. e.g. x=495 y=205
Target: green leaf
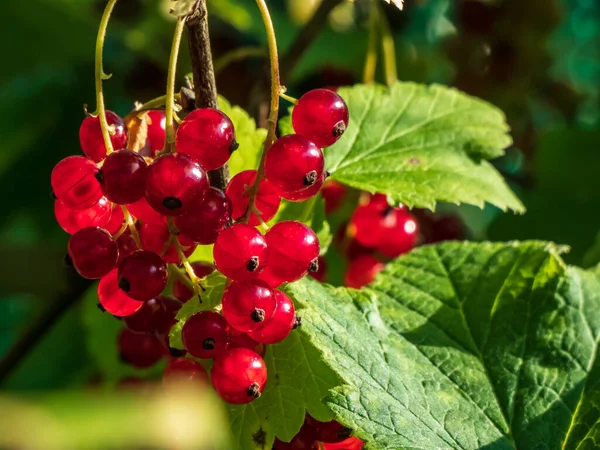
x=214 y=285
x=231 y=11
x=249 y=137
x=421 y=145
x=464 y=346
x=311 y=213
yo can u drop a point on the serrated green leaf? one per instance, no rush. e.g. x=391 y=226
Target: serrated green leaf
x=214 y=285
x=421 y=145
x=311 y=213
x=464 y=346
x=249 y=137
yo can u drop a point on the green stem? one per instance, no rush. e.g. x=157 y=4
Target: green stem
x=155 y=103
x=99 y=75
x=170 y=98
x=371 y=61
x=274 y=112
x=292 y=100
x=238 y=55
x=388 y=46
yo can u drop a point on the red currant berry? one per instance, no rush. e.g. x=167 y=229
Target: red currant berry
x=321 y=116
x=293 y=164
x=74 y=182
x=126 y=245
x=301 y=196
x=248 y=304
x=293 y=251
x=362 y=270
x=73 y=220
x=267 y=198
x=204 y=223
x=143 y=212
x=113 y=299
x=208 y=136
x=300 y=442
x=277 y=328
x=374 y=222
x=402 y=238
x=92 y=141
x=166 y=320
x=239 y=376
x=116 y=220
x=321 y=272
x=123 y=177
x=238 y=339
x=156 y=130
x=330 y=432
x=202 y=269
x=148 y=318
x=143 y=275
x=352 y=443
x=240 y=252
x=205 y=334
x=184 y=370
x=139 y=350
x=333 y=194
x=175 y=184
x=93 y=252
x=156 y=237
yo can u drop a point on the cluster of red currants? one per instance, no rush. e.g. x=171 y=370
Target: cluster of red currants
x=316 y=435
x=131 y=215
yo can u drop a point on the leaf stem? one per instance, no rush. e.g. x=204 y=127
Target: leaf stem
x=99 y=75
x=170 y=97
x=388 y=46
x=371 y=61
x=274 y=110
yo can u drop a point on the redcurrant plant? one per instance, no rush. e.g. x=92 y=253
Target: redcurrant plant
x=453 y=345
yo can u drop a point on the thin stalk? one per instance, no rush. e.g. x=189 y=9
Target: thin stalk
x=183 y=259
x=155 y=103
x=371 y=61
x=388 y=46
x=292 y=100
x=99 y=75
x=274 y=109
x=238 y=55
x=170 y=100
x=132 y=229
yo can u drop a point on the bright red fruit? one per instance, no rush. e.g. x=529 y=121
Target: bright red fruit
x=139 y=350
x=91 y=140
x=293 y=251
x=185 y=370
x=293 y=164
x=156 y=130
x=333 y=194
x=322 y=116
x=201 y=269
x=142 y=211
x=362 y=270
x=113 y=299
x=126 y=245
x=375 y=221
x=267 y=198
x=149 y=318
x=204 y=223
x=93 y=252
x=403 y=237
x=175 y=184
x=205 y=334
x=74 y=183
x=156 y=237
x=239 y=376
x=240 y=252
x=116 y=220
x=277 y=328
x=123 y=177
x=301 y=196
x=208 y=136
x=239 y=339
x=143 y=275
x=321 y=272
x=248 y=304
x=330 y=432
x=352 y=443
x=73 y=220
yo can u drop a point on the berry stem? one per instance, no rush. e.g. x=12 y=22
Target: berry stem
x=99 y=75
x=388 y=46
x=132 y=229
x=183 y=259
x=371 y=61
x=274 y=111
x=292 y=100
x=170 y=97
x=155 y=103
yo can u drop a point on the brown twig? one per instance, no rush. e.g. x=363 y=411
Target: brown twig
x=205 y=86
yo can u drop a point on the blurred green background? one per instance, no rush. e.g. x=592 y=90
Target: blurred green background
x=539 y=60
